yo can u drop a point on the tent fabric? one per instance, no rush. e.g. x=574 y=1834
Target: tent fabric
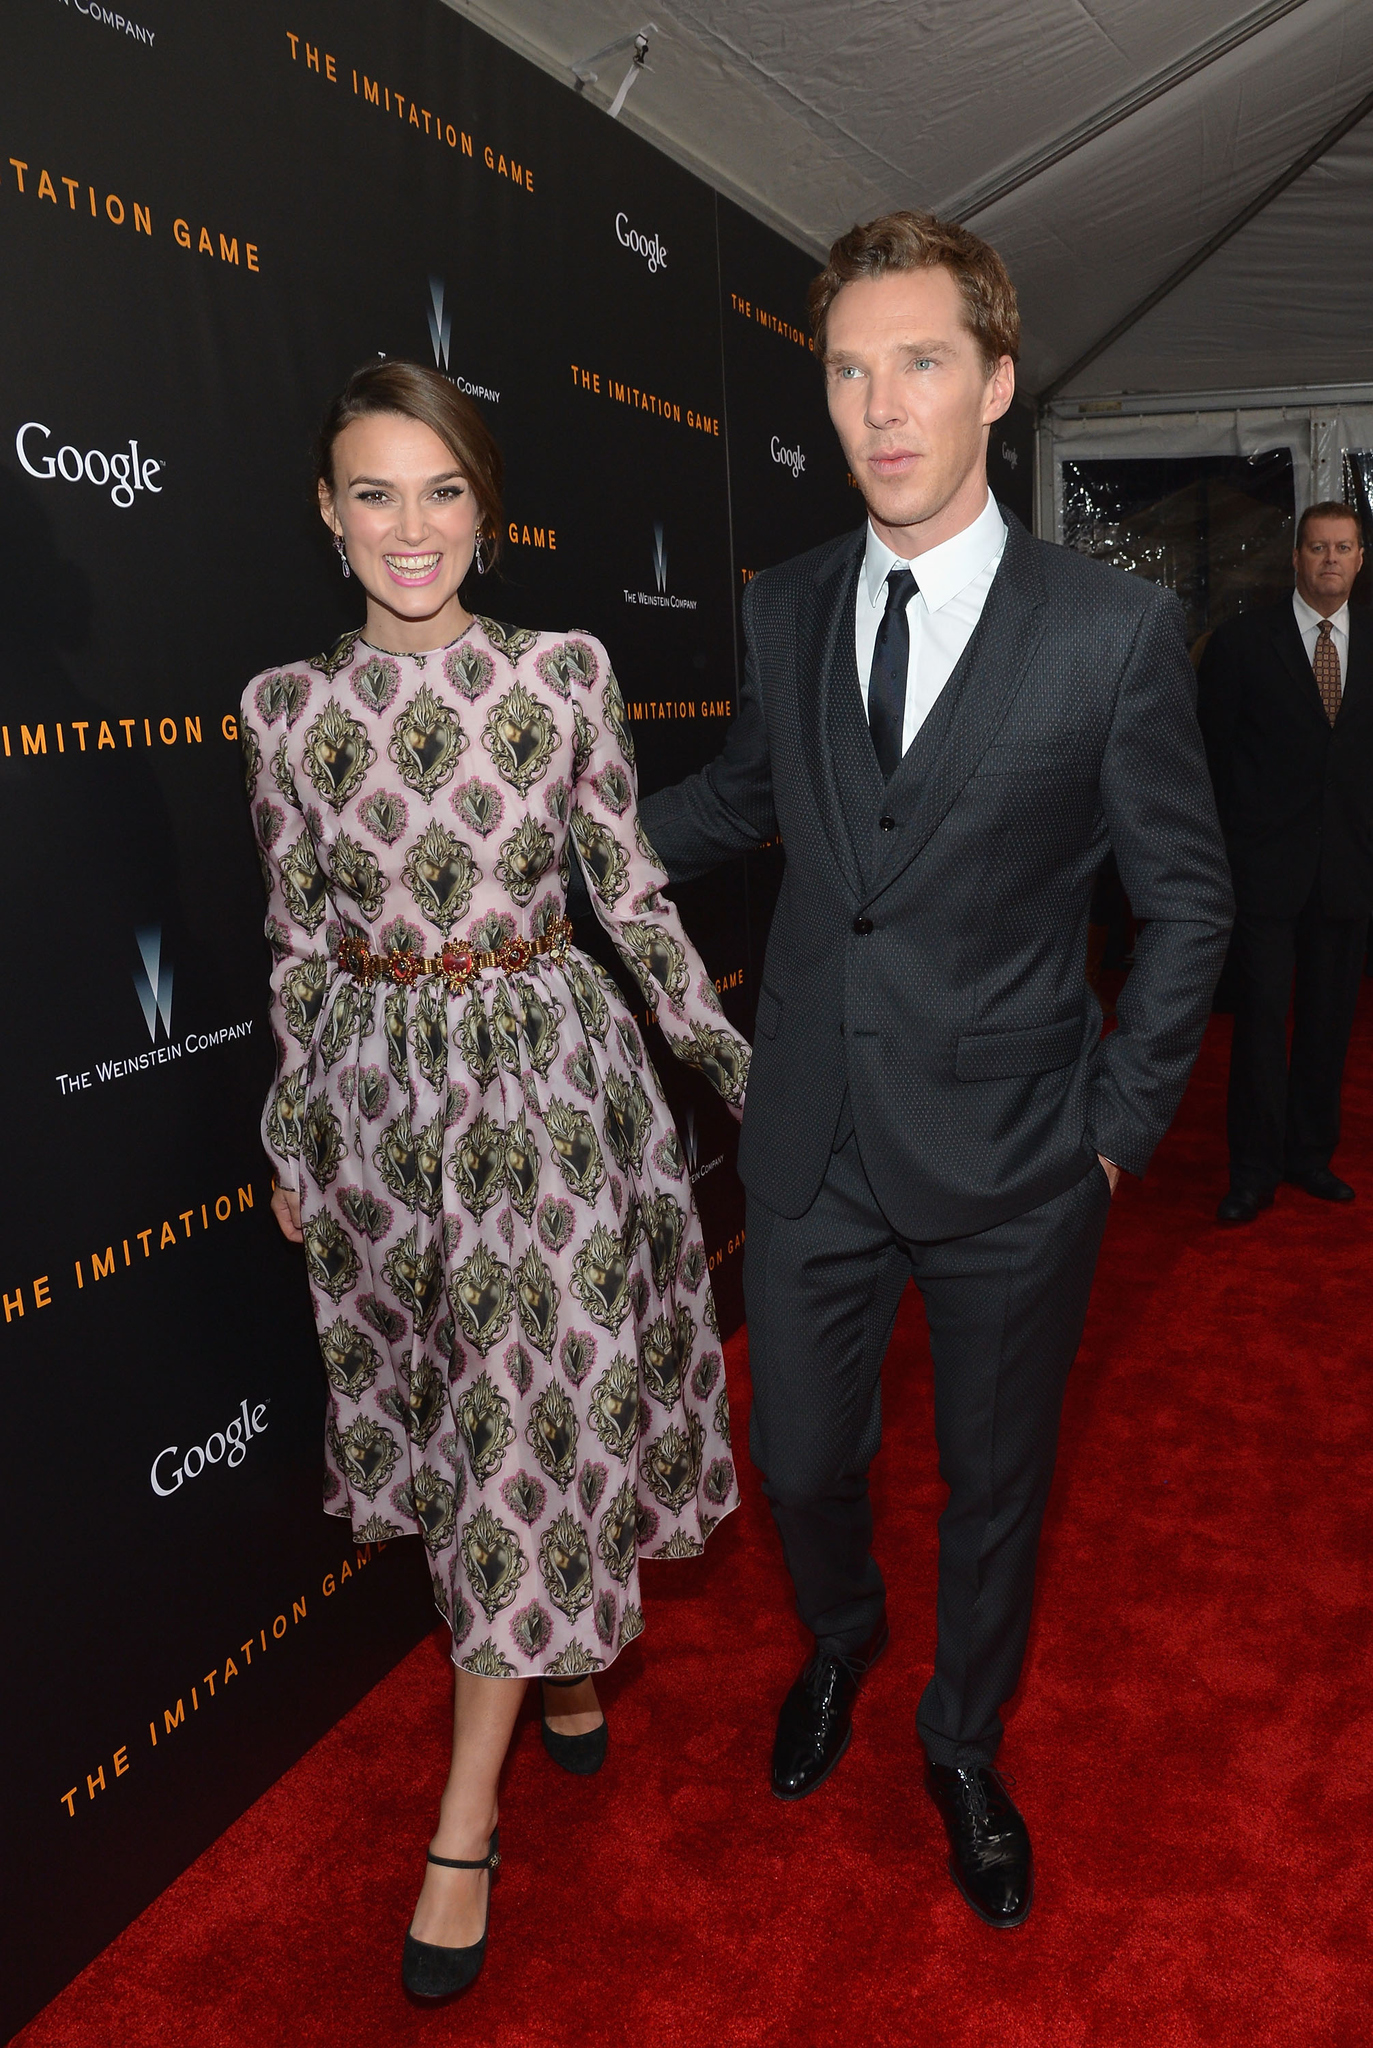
x=1288 y=301
x=815 y=113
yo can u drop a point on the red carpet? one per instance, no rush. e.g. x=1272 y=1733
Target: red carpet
x=1191 y=1746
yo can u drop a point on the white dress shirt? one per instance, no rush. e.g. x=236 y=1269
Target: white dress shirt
x=953 y=581
x=1309 y=626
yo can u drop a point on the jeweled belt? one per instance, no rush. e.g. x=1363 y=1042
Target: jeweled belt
x=456 y=963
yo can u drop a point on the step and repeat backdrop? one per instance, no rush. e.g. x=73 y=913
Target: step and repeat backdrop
x=209 y=216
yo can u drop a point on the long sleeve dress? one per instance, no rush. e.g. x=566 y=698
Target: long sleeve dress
x=506 y=1266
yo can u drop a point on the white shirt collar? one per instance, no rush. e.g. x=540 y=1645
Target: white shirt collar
x=941 y=571
x=1308 y=618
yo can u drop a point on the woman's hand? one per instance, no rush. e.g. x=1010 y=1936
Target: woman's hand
x=286 y=1209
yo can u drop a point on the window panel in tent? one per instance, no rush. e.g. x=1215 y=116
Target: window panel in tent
x=1217 y=529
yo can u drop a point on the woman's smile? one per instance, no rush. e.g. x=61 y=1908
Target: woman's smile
x=413 y=570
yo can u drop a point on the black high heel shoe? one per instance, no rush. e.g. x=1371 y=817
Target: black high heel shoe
x=583 y=1755
x=432 y=1975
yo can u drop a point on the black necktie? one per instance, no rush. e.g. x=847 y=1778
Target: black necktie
x=887 y=684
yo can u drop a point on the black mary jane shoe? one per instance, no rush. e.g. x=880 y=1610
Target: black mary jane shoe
x=990 y=1859
x=432 y=1975
x=583 y=1755
x=816 y=1722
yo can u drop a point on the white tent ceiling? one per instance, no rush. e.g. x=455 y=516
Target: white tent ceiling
x=1167 y=118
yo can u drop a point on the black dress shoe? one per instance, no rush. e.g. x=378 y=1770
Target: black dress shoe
x=1242 y=1205
x=583 y=1755
x=1323 y=1184
x=816 y=1721
x=990 y=1859
x=431 y=1974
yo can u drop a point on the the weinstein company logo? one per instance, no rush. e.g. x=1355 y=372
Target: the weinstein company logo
x=697 y=1167
x=440 y=327
x=441 y=335
x=660 y=596
x=153 y=982
x=107 y=18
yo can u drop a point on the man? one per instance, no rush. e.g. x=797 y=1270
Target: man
x=1286 y=707
x=948 y=723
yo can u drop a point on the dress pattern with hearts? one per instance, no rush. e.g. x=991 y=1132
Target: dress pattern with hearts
x=504 y=1257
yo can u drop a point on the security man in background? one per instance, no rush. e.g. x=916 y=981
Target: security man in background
x=1286 y=708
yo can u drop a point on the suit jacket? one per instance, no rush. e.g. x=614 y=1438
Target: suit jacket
x=927 y=952
x=1295 y=793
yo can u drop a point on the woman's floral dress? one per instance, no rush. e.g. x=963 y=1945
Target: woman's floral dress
x=507 y=1270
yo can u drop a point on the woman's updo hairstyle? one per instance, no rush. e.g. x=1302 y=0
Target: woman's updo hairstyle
x=418 y=393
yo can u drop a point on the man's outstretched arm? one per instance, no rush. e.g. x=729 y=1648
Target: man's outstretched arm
x=725 y=809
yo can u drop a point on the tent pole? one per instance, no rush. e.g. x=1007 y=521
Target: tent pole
x=1210 y=248
x=1120 y=110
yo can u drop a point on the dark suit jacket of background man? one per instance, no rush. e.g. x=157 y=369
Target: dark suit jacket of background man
x=1295 y=793
x=927 y=953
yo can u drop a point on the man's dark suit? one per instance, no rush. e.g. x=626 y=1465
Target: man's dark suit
x=1295 y=796
x=930 y=1088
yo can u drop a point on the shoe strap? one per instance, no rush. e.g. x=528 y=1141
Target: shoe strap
x=487 y=1862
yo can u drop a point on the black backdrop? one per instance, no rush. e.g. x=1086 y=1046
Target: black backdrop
x=208 y=216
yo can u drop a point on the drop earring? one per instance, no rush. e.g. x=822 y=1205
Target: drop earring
x=342 y=553
x=478 y=556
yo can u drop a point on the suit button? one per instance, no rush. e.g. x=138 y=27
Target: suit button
x=862 y=925
x=887 y=824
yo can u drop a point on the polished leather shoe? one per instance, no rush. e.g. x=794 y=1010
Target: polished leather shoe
x=1323 y=1184
x=990 y=1859
x=816 y=1721
x=1242 y=1205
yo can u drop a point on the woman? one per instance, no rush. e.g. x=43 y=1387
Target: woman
x=506 y=1267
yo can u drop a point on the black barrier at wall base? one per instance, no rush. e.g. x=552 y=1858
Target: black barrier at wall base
x=209 y=216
